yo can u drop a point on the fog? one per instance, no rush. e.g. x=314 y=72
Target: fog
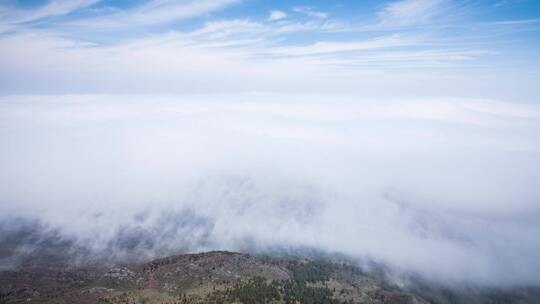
x=443 y=187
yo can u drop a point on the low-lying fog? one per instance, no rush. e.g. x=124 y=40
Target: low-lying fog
x=448 y=188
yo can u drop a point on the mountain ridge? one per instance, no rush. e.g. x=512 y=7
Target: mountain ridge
x=229 y=277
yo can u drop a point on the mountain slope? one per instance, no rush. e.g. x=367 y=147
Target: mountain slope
x=226 y=277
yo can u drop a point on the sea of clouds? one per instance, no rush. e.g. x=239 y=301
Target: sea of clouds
x=447 y=188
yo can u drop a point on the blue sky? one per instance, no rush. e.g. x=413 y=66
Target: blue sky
x=459 y=48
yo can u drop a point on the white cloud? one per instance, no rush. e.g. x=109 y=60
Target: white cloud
x=277 y=15
x=163 y=11
x=411 y=12
x=224 y=28
x=323 y=47
x=154 y=12
x=56 y=8
x=311 y=12
x=12 y=17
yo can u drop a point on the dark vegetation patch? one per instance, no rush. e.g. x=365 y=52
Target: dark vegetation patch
x=221 y=277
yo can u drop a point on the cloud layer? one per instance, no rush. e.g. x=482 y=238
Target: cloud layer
x=445 y=187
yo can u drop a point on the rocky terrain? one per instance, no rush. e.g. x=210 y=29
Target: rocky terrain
x=226 y=277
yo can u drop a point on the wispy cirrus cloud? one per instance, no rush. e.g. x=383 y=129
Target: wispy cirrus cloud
x=225 y=28
x=277 y=15
x=49 y=9
x=155 y=12
x=11 y=17
x=152 y=13
x=411 y=12
x=311 y=39
x=328 y=47
x=310 y=12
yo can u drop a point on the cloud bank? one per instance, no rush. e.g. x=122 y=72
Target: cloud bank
x=443 y=187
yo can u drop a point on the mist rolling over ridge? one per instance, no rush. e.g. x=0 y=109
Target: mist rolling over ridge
x=453 y=182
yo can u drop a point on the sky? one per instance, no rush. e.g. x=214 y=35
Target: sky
x=401 y=131
x=469 y=48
